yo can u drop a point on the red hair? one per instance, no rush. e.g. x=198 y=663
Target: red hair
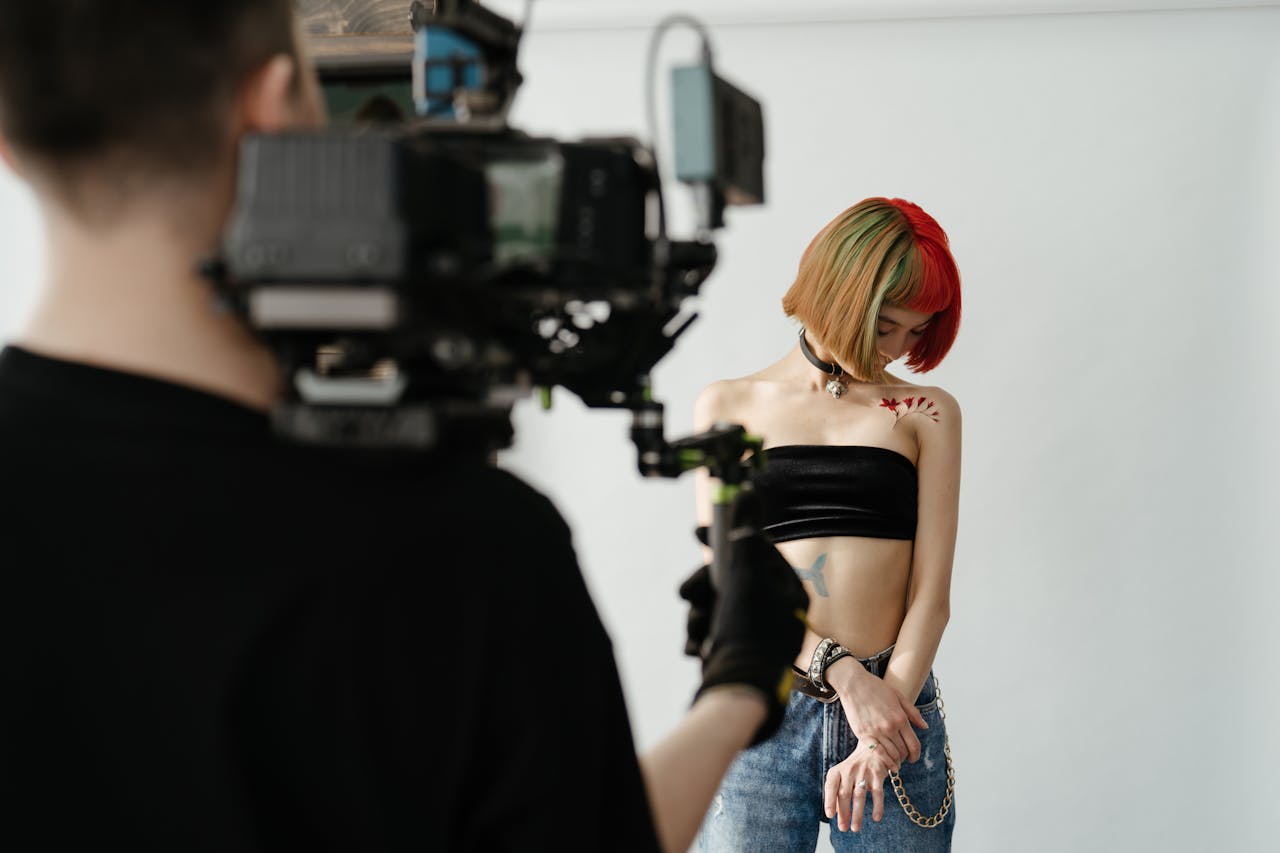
x=938 y=291
x=878 y=251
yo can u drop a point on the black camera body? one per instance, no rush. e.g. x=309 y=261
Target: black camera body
x=415 y=277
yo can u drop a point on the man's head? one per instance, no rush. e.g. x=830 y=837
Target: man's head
x=101 y=100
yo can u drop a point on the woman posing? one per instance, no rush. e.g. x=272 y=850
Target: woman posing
x=860 y=492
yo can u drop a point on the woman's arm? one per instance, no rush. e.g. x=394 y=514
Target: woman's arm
x=884 y=710
x=683 y=772
x=929 y=591
x=714 y=405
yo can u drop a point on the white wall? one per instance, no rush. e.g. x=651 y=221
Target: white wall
x=21 y=254
x=1111 y=185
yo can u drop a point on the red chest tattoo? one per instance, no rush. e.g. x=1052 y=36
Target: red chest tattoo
x=910 y=406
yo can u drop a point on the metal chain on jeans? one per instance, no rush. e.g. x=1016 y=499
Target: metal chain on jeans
x=905 y=801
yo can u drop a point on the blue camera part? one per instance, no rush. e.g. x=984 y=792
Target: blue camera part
x=444 y=62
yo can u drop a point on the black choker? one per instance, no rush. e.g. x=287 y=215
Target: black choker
x=835 y=387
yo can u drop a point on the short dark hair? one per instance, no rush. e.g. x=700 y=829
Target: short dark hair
x=81 y=80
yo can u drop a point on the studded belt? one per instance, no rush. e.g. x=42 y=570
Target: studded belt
x=800 y=680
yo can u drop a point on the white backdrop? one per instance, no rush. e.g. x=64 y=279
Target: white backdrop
x=1111 y=185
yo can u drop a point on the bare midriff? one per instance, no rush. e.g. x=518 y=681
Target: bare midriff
x=866 y=584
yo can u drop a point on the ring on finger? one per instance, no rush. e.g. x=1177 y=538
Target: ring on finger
x=871 y=746
x=862 y=783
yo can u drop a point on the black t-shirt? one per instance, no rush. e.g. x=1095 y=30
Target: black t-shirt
x=213 y=640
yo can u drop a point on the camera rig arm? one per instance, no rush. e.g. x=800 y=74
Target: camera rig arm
x=720 y=450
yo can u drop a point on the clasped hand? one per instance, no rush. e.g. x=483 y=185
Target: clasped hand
x=882 y=721
x=877 y=713
x=848 y=782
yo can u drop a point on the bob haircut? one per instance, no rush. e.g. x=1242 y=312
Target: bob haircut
x=880 y=251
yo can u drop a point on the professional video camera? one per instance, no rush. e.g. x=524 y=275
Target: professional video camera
x=415 y=276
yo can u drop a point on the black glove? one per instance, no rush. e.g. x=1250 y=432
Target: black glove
x=697 y=590
x=749 y=631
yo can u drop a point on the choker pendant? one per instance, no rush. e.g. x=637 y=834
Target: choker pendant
x=835 y=385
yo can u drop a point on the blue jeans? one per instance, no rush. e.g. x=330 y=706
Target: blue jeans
x=772 y=797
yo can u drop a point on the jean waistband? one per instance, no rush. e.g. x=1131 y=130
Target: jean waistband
x=800 y=679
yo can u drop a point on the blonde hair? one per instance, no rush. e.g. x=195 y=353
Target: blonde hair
x=880 y=251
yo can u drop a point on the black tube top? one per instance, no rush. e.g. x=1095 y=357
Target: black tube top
x=809 y=491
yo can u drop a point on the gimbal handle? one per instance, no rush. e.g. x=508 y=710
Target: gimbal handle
x=720 y=450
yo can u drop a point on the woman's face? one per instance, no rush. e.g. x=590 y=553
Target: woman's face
x=899 y=329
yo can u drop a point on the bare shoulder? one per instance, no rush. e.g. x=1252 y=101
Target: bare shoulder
x=932 y=412
x=729 y=400
x=941 y=399
x=939 y=421
x=900 y=389
x=721 y=401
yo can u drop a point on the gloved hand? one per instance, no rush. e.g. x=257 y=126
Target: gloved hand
x=750 y=631
x=697 y=590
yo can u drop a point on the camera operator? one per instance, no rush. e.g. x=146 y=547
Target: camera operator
x=216 y=641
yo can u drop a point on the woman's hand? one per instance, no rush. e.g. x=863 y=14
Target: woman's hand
x=849 y=781
x=877 y=713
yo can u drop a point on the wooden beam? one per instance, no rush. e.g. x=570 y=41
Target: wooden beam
x=354 y=17
x=344 y=32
